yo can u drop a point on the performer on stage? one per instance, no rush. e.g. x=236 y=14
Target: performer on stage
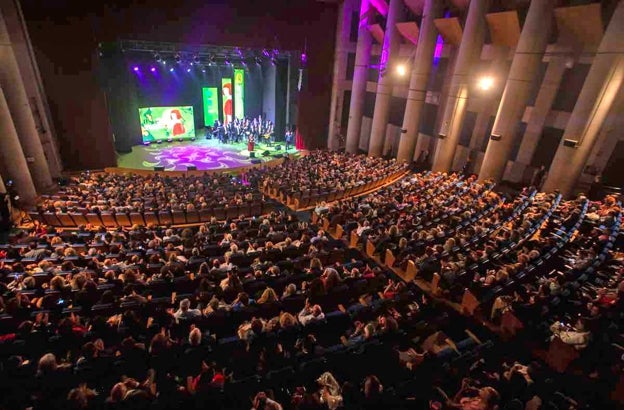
x=250 y=142
x=221 y=133
x=289 y=139
x=267 y=132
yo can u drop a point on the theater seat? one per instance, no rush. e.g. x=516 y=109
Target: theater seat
x=150 y=218
x=108 y=220
x=178 y=217
x=192 y=217
x=136 y=218
x=122 y=219
x=50 y=218
x=79 y=219
x=164 y=218
x=94 y=219
x=65 y=219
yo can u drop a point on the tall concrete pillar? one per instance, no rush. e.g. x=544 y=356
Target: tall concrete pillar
x=600 y=89
x=389 y=52
x=543 y=104
x=360 y=75
x=340 y=70
x=13 y=87
x=33 y=84
x=457 y=100
x=489 y=99
x=12 y=156
x=421 y=69
x=526 y=62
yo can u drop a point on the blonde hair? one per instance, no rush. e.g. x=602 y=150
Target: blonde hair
x=268 y=296
x=287 y=320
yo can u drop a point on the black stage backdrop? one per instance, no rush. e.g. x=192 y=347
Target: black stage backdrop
x=65 y=35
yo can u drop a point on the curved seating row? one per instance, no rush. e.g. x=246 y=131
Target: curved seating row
x=162 y=217
x=314 y=196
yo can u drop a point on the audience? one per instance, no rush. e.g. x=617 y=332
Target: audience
x=275 y=313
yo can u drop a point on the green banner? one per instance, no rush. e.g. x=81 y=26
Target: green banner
x=210 y=97
x=226 y=90
x=239 y=93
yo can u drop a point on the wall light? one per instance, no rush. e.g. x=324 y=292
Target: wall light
x=485 y=83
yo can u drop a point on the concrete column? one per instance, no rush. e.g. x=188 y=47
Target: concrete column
x=33 y=84
x=524 y=67
x=418 y=82
x=488 y=100
x=457 y=100
x=13 y=87
x=12 y=156
x=389 y=52
x=2 y=186
x=360 y=75
x=340 y=68
x=543 y=104
x=600 y=89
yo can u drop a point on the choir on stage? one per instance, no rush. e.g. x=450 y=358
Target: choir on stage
x=248 y=130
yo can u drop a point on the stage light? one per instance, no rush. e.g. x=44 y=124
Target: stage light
x=177 y=58
x=188 y=70
x=401 y=70
x=203 y=70
x=136 y=68
x=153 y=69
x=227 y=61
x=273 y=62
x=196 y=59
x=171 y=70
x=157 y=57
x=485 y=83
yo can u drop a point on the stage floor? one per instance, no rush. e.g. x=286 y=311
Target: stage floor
x=202 y=153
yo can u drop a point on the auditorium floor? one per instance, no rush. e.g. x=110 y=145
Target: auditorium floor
x=203 y=154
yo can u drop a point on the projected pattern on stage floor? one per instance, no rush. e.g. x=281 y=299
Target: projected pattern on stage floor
x=203 y=154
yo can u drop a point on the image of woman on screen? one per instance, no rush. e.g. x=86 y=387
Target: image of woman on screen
x=228 y=109
x=176 y=123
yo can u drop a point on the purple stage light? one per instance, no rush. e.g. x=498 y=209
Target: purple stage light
x=188 y=70
x=171 y=70
x=304 y=58
x=136 y=68
x=153 y=69
x=437 y=53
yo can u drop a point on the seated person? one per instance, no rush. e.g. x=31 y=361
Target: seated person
x=310 y=314
x=576 y=336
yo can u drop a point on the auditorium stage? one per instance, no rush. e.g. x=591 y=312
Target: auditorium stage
x=202 y=153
